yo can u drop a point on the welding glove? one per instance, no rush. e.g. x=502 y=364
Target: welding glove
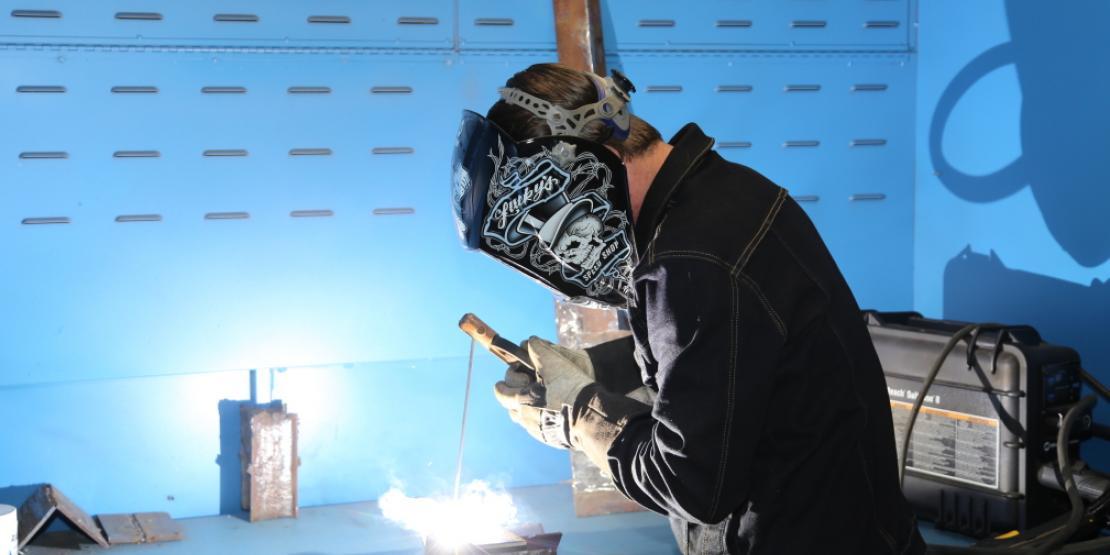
x=519 y=393
x=562 y=372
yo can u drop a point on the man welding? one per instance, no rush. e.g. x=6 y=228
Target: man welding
x=748 y=405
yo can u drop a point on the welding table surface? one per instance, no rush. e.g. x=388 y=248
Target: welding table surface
x=360 y=529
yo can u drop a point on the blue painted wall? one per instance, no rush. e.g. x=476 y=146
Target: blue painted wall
x=126 y=346
x=1012 y=185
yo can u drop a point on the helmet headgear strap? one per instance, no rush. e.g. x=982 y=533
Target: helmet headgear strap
x=611 y=107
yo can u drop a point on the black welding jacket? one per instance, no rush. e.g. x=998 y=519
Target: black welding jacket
x=772 y=419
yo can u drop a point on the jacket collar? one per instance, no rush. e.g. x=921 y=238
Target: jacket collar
x=690 y=146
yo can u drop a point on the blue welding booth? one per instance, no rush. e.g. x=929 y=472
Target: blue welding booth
x=210 y=202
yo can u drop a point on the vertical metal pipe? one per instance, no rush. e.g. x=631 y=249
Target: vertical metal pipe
x=578 y=35
x=581 y=45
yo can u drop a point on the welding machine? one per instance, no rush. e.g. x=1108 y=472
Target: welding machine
x=982 y=456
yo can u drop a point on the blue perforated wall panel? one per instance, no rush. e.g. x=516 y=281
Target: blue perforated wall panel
x=293 y=228
x=835 y=130
x=188 y=192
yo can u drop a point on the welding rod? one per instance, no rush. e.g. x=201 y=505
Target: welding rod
x=501 y=348
x=462 y=427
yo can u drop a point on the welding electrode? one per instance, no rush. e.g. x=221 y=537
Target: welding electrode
x=462 y=425
x=501 y=348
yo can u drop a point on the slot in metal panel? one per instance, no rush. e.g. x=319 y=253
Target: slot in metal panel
x=136 y=154
x=386 y=89
x=46 y=220
x=223 y=90
x=410 y=20
x=330 y=19
x=882 y=24
x=404 y=211
x=869 y=87
x=867 y=196
x=393 y=150
x=309 y=90
x=488 y=24
x=227 y=216
x=133 y=218
x=311 y=213
x=734 y=144
x=225 y=152
x=236 y=18
x=734 y=88
x=868 y=142
x=494 y=22
x=130 y=89
x=139 y=16
x=802 y=88
x=44 y=155
x=40 y=89
x=37 y=14
x=310 y=152
x=801 y=144
x=809 y=24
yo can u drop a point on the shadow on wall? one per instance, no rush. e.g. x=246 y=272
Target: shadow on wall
x=979 y=287
x=231 y=469
x=1065 y=122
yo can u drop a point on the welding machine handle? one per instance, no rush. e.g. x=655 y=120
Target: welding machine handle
x=1022 y=334
x=876 y=318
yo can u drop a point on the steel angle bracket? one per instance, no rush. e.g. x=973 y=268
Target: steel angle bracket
x=37 y=510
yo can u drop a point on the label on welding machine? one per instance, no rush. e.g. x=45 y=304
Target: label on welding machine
x=947 y=441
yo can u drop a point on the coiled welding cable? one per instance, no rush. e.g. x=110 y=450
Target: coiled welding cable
x=1096 y=385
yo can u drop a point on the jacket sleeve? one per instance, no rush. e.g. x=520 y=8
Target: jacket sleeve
x=615 y=365
x=716 y=348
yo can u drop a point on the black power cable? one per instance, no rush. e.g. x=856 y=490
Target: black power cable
x=1063 y=441
x=952 y=342
x=1096 y=385
x=1057 y=537
x=1075 y=519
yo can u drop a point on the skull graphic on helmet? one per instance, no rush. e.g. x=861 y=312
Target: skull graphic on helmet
x=580 y=244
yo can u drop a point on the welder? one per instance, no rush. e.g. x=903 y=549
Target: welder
x=748 y=405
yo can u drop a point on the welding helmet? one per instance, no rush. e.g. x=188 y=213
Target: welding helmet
x=554 y=208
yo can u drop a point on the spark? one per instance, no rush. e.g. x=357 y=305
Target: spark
x=478 y=515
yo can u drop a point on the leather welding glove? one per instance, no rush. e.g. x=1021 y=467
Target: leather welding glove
x=562 y=372
x=519 y=393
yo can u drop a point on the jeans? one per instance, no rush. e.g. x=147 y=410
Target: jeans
x=700 y=539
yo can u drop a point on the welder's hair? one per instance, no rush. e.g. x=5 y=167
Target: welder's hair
x=569 y=89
